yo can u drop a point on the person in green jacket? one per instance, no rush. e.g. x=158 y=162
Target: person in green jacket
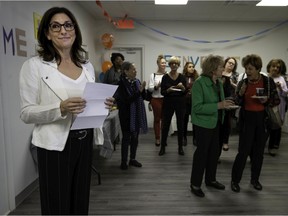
x=208 y=105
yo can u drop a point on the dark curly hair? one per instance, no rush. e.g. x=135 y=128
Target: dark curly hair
x=46 y=49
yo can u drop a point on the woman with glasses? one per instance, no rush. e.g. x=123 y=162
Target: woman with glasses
x=51 y=86
x=173 y=89
x=191 y=75
x=229 y=79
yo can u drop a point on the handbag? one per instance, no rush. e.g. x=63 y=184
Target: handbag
x=148 y=95
x=273 y=117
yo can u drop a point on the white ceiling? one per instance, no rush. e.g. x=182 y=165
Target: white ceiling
x=229 y=10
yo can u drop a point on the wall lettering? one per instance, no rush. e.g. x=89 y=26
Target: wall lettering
x=9 y=42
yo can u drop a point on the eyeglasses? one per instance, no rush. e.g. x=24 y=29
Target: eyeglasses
x=56 y=27
x=231 y=63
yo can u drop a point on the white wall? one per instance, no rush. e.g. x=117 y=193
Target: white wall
x=19 y=171
x=273 y=44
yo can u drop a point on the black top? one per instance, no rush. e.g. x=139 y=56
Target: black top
x=167 y=82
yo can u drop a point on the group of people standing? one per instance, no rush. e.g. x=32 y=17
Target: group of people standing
x=211 y=98
x=52 y=83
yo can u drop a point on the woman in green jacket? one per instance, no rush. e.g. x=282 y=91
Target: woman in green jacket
x=208 y=104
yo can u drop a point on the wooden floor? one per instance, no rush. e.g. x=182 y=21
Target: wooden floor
x=161 y=186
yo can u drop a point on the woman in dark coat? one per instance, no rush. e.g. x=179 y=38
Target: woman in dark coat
x=129 y=97
x=253 y=131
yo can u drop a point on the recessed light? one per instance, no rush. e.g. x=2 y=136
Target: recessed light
x=171 y=2
x=273 y=3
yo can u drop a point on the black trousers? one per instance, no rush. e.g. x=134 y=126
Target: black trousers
x=129 y=139
x=205 y=157
x=186 y=119
x=170 y=105
x=64 y=176
x=225 y=130
x=252 y=139
x=274 y=138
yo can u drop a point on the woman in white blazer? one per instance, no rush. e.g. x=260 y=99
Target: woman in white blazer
x=51 y=86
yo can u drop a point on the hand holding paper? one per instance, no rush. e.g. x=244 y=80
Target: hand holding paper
x=95 y=111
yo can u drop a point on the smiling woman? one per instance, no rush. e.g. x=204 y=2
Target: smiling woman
x=51 y=86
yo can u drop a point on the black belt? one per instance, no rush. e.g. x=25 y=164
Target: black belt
x=79 y=134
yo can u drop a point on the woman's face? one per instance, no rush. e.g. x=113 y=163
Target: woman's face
x=174 y=66
x=251 y=72
x=274 y=70
x=190 y=69
x=118 y=61
x=162 y=64
x=131 y=73
x=64 y=38
x=230 y=64
x=218 y=72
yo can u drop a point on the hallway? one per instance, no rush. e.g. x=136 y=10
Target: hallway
x=161 y=186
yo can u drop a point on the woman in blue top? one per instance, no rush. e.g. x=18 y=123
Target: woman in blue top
x=207 y=115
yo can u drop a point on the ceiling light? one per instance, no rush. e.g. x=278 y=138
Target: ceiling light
x=273 y=3
x=171 y=2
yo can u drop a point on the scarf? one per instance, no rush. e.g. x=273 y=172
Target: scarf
x=138 y=119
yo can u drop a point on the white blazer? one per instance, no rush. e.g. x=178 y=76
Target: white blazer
x=41 y=91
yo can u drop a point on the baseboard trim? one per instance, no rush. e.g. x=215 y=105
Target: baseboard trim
x=26 y=192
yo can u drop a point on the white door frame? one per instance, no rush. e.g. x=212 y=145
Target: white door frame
x=132 y=47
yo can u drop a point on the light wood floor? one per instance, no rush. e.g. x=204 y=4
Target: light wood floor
x=161 y=186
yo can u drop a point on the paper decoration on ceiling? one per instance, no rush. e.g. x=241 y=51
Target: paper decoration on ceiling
x=217 y=41
x=105 y=13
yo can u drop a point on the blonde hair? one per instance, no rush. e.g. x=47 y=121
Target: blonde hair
x=159 y=58
x=174 y=59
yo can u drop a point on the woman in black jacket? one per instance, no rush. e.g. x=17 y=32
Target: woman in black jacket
x=129 y=97
x=253 y=130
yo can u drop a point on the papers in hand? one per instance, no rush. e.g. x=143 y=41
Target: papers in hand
x=233 y=107
x=95 y=111
x=175 y=89
x=259 y=97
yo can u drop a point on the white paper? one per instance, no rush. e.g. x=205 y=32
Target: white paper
x=95 y=111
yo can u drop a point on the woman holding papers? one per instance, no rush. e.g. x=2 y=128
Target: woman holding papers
x=51 y=85
x=132 y=114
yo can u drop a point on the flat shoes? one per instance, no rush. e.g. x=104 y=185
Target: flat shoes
x=225 y=147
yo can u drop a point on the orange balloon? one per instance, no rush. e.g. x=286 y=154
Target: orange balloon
x=107 y=40
x=106 y=65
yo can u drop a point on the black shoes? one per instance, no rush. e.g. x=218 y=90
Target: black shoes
x=185 y=142
x=272 y=152
x=132 y=162
x=162 y=151
x=215 y=184
x=256 y=184
x=157 y=143
x=197 y=191
x=180 y=150
x=235 y=187
x=124 y=166
x=135 y=163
